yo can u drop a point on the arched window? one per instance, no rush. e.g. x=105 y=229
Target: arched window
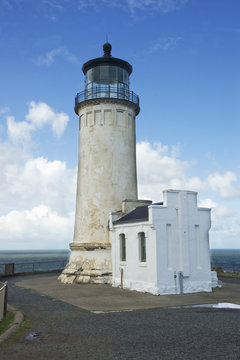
x=142 y=246
x=122 y=247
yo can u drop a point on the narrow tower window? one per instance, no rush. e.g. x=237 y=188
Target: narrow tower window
x=122 y=247
x=142 y=246
x=129 y=120
x=119 y=117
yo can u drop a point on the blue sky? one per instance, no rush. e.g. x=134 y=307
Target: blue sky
x=185 y=56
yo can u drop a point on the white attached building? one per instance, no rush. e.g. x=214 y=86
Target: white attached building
x=163 y=248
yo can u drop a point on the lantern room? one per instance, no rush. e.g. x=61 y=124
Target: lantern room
x=107 y=77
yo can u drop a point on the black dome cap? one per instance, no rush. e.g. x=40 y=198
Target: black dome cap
x=107 y=59
x=107 y=49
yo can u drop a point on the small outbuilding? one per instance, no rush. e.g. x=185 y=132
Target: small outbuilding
x=163 y=248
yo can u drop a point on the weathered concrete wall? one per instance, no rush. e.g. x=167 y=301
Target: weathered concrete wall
x=106 y=177
x=177 y=248
x=106 y=168
x=87 y=265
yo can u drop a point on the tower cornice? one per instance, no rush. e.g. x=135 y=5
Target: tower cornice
x=89 y=102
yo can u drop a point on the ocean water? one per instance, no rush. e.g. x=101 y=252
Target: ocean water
x=44 y=260
x=34 y=260
x=227 y=259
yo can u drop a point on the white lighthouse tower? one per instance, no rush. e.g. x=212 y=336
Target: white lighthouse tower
x=107 y=109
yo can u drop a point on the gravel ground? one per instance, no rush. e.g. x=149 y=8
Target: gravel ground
x=68 y=332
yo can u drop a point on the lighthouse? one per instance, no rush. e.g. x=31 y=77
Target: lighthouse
x=107 y=179
x=161 y=248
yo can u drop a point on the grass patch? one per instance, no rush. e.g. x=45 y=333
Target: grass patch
x=6 y=322
x=22 y=331
x=227 y=274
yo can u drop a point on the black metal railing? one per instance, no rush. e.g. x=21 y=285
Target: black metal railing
x=32 y=267
x=106 y=91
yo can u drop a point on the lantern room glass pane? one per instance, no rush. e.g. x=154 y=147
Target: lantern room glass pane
x=89 y=76
x=112 y=74
x=96 y=74
x=107 y=74
x=125 y=77
x=104 y=74
x=120 y=75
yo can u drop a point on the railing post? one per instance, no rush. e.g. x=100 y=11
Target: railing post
x=9 y=269
x=5 y=299
x=121 y=278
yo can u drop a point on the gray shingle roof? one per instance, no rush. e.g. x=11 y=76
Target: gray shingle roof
x=138 y=214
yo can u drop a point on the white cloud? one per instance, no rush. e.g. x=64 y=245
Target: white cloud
x=53 y=7
x=39 y=227
x=225 y=232
x=224 y=184
x=164 y=6
x=39 y=115
x=19 y=132
x=159 y=168
x=217 y=209
x=55 y=3
x=37 y=200
x=35 y=181
x=49 y=58
x=160 y=5
x=4 y=109
x=164 y=44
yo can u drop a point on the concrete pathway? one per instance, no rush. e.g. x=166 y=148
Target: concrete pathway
x=106 y=298
x=58 y=330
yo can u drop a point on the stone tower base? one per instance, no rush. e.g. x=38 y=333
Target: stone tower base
x=88 y=263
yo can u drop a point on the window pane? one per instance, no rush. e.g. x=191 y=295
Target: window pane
x=89 y=76
x=120 y=74
x=122 y=247
x=104 y=74
x=96 y=75
x=142 y=247
x=125 y=77
x=112 y=74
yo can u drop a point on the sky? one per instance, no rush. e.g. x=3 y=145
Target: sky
x=185 y=56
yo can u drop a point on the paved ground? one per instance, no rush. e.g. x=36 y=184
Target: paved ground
x=106 y=298
x=67 y=331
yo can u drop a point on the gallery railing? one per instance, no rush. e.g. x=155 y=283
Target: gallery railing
x=106 y=91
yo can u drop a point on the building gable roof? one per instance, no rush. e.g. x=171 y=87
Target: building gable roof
x=136 y=215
